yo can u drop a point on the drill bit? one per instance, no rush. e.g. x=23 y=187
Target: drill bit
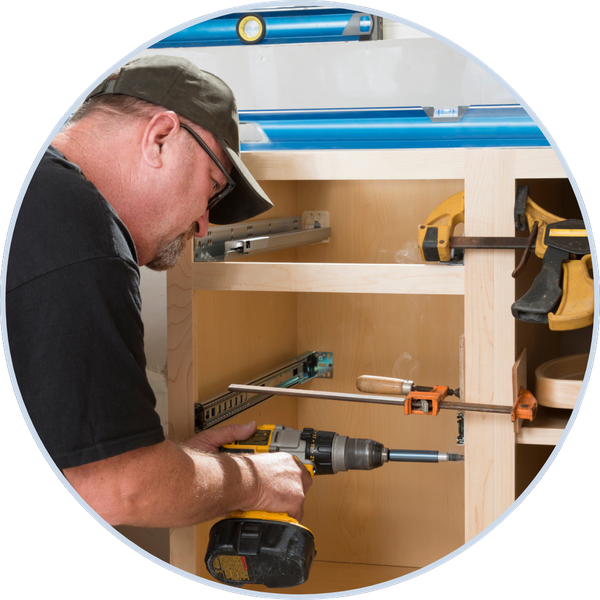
x=421 y=456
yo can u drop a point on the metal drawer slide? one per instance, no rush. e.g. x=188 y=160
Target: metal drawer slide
x=295 y=372
x=231 y=241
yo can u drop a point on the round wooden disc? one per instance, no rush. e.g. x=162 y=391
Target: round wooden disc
x=558 y=381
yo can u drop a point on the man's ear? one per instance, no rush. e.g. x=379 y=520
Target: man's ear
x=160 y=131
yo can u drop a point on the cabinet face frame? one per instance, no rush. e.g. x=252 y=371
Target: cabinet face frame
x=489 y=177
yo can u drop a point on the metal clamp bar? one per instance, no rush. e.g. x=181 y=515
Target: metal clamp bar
x=298 y=370
x=320 y=395
x=490 y=243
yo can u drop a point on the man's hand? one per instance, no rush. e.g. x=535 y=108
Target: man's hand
x=211 y=439
x=280 y=482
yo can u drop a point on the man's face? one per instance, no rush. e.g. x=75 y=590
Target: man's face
x=195 y=181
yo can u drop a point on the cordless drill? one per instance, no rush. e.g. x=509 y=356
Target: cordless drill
x=273 y=549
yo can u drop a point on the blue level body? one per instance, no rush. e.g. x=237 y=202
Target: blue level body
x=508 y=126
x=283 y=27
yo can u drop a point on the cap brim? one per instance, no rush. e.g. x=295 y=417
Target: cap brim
x=245 y=201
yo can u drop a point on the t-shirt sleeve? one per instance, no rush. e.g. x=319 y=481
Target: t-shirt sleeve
x=76 y=342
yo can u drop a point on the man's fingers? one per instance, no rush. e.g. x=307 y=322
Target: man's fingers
x=231 y=433
x=306 y=476
x=211 y=439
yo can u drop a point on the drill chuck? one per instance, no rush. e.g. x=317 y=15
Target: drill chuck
x=331 y=453
x=359 y=454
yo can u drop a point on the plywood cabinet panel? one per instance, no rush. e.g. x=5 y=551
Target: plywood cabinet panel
x=368 y=517
x=372 y=222
x=242 y=335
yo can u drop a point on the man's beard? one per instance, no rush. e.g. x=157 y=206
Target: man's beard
x=168 y=253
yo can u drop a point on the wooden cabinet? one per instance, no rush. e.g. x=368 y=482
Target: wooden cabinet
x=367 y=297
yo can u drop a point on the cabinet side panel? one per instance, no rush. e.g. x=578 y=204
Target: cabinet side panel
x=181 y=383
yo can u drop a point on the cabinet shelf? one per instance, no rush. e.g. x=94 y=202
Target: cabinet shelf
x=332 y=278
x=546 y=429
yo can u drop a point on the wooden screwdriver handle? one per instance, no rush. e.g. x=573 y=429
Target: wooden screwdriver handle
x=383 y=385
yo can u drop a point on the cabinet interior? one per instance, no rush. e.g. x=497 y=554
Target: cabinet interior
x=367 y=297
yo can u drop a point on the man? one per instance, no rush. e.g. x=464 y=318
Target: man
x=151 y=156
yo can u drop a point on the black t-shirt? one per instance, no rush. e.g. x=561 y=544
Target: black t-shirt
x=73 y=320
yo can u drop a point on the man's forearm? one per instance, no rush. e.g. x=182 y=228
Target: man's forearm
x=165 y=485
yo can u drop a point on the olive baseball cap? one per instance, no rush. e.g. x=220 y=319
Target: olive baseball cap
x=177 y=84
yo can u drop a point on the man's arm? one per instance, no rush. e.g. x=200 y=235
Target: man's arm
x=171 y=485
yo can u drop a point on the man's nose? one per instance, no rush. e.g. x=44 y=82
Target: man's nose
x=201 y=226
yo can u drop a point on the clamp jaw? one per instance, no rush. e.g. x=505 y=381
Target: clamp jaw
x=570 y=306
x=524 y=407
x=425 y=403
x=435 y=233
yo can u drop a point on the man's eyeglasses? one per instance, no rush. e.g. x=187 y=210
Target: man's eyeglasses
x=213 y=200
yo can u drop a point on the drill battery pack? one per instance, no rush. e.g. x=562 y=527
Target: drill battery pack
x=247 y=548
